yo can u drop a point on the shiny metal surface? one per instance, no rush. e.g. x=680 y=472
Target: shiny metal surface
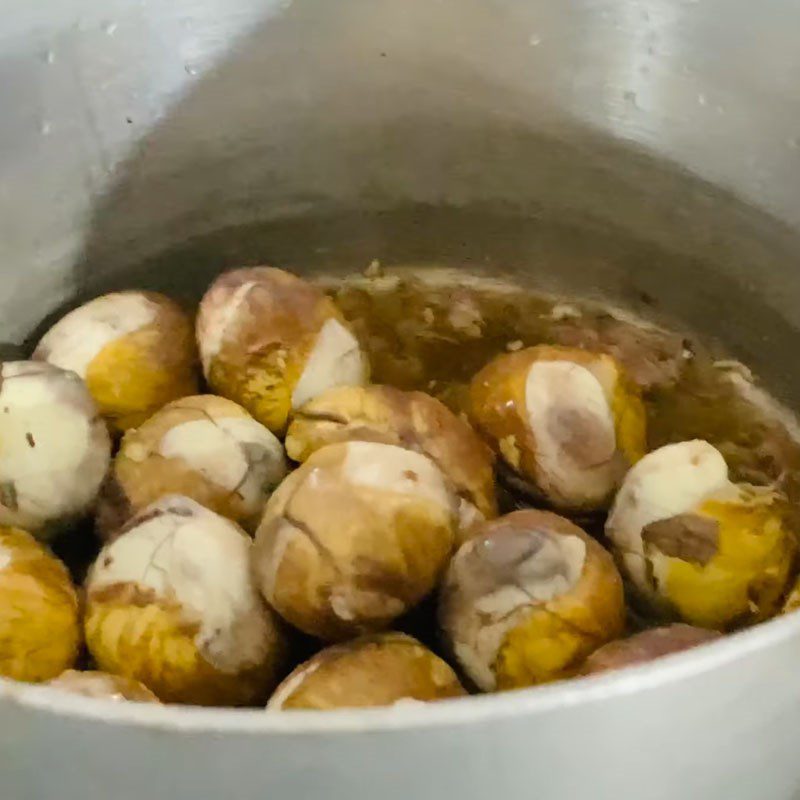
x=610 y=147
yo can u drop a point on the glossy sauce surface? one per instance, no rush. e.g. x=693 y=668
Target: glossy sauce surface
x=434 y=329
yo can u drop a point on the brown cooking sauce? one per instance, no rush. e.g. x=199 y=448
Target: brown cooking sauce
x=434 y=333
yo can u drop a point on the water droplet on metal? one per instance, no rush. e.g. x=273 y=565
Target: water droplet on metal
x=49 y=57
x=190 y=70
x=535 y=40
x=109 y=28
x=45 y=128
x=702 y=100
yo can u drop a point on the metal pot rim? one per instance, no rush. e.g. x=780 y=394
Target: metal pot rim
x=456 y=712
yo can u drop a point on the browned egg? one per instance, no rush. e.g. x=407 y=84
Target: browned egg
x=527 y=599
x=646 y=646
x=380 y=670
x=412 y=420
x=354 y=538
x=103 y=685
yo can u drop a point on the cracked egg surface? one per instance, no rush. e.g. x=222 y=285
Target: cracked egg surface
x=528 y=599
x=272 y=341
x=54 y=447
x=567 y=422
x=698 y=546
x=135 y=351
x=171 y=603
x=203 y=447
x=356 y=536
x=412 y=420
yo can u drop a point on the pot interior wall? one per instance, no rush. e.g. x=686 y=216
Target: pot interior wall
x=722 y=297
x=720 y=286
x=324 y=136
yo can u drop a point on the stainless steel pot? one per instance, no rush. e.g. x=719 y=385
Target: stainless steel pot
x=647 y=152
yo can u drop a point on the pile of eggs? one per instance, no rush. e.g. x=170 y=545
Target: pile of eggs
x=297 y=501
